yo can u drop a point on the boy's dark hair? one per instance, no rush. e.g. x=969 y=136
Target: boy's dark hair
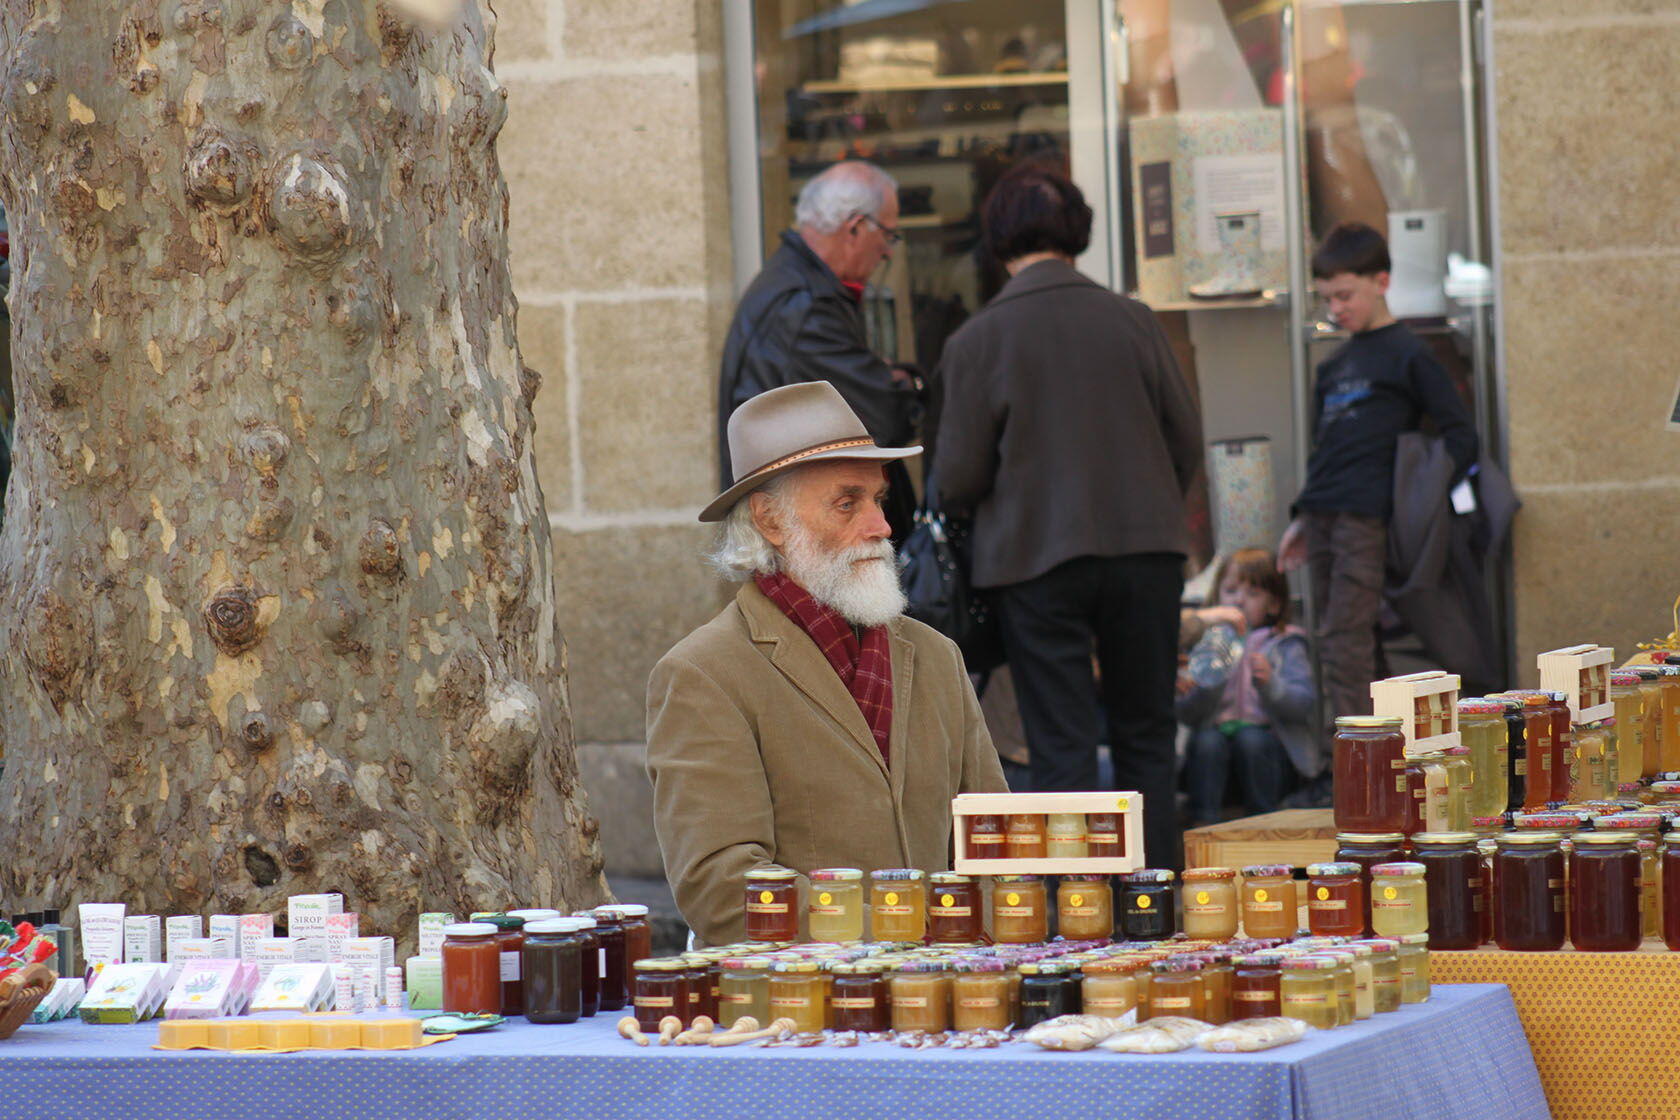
x=1351 y=247
x=1035 y=208
x=1257 y=568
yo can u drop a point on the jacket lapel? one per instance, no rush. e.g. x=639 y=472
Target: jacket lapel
x=793 y=652
x=898 y=739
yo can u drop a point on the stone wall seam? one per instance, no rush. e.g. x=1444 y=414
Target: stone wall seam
x=565 y=69
x=580 y=521
x=574 y=390
x=1592 y=256
x=1603 y=21
x=559 y=298
x=1608 y=486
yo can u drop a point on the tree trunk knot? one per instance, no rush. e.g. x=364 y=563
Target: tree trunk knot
x=255 y=733
x=231 y=618
x=265 y=448
x=289 y=43
x=298 y=857
x=216 y=171
x=310 y=206
x=381 y=552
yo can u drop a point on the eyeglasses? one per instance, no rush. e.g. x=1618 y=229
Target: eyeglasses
x=893 y=236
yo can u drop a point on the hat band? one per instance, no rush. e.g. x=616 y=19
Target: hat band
x=821 y=448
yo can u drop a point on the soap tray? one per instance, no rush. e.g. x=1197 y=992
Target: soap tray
x=280 y=1036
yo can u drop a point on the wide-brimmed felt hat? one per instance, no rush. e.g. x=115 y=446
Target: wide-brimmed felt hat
x=789 y=427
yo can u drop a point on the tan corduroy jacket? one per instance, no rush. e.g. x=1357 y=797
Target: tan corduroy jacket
x=759 y=755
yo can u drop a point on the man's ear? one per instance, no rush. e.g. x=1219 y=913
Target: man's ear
x=1381 y=279
x=764 y=518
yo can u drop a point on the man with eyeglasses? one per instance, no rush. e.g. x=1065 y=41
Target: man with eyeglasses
x=801 y=319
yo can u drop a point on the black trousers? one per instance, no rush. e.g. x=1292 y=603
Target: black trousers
x=1125 y=609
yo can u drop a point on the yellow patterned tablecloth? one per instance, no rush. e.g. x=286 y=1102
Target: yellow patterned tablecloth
x=1600 y=1024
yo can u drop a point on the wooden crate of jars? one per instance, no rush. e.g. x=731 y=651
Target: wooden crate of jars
x=1427 y=706
x=1048 y=833
x=1582 y=674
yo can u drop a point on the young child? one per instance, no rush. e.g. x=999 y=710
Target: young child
x=1380 y=383
x=1248 y=697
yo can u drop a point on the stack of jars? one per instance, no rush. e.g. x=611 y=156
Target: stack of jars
x=551 y=969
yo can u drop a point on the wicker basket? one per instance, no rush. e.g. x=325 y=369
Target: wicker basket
x=20 y=994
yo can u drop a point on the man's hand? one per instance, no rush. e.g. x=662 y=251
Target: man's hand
x=908 y=378
x=1292 y=549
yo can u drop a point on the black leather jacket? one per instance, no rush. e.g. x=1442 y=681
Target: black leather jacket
x=795 y=323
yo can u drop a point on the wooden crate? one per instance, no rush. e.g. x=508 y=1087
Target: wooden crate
x=1127 y=805
x=1582 y=674
x=1296 y=837
x=1427 y=706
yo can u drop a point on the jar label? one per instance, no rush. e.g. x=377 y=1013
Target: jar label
x=1392 y=904
x=1386 y=980
x=1173 y=1002
x=790 y=1001
x=1015 y=912
x=891 y=908
x=1304 y=998
x=1253 y=996
x=1328 y=904
x=1554 y=884
x=1410 y=973
x=986 y=839
x=910 y=1001
x=510 y=967
x=767 y=907
x=851 y=1003
x=825 y=899
x=1143 y=902
x=1012 y=898
x=1208 y=908
x=891 y=899
x=1261 y=895
x=1390 y=894
x=955 y=911
x=828 y=911
x=1520 y=767
x=1398 y=763
x=1109 y=1001
x=1260 y=906
x=978 y=1002
x=1400 y=784
x=1323 y=893
x=1026 y=838
x=1079 y=911
x=1102 y=837
x=735 y=997
x=653 y=1001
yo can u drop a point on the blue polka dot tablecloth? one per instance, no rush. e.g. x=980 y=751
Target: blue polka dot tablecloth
x=1462 y=1054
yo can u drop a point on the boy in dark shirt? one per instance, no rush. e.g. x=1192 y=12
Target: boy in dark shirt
x=1380 y=383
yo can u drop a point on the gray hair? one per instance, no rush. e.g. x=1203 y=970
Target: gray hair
x=742 y=552
x=852 y=187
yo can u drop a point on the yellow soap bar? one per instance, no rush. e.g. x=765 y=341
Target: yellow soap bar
x=391 y=1034
x=184 y=1034
x=234 y=1034
x=286 y=1034
x=334 y=1034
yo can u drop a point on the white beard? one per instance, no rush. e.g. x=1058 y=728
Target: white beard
x=860 y=583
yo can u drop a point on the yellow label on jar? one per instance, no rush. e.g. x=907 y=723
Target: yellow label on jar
x=1169 y=1001
x=1202 y=898
x=653 y=1001
x=825 y=898
x=1012 y=898
x=1390 y=893
x=1261 y=895
x=1076 y=900
x=1323 y=893
x=766 y=897
x=947 y=900
x=892 y=898
x=910 y=1001
x=1143 y=902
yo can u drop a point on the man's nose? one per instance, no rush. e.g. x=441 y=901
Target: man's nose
x=875 y=527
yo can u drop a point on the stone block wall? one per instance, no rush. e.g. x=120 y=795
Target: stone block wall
x=1588 y=96
x=614 y=153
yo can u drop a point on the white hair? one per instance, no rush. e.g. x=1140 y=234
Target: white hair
x=844 y=190
x=742 y=552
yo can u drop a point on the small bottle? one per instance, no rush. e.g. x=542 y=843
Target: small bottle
x=394 y=988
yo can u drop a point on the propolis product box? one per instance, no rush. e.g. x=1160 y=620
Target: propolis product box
x=1188 y=167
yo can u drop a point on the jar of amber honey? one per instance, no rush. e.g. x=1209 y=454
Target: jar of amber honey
x=1335 y=899
x=1210 y=903
x=1109 y=988
x=980 y=996
x=797 y=991
x=835 y=910
x=1528 y=892
x=898 y=904
x=472 y=969
x=1269 y=905
x=1085 y=908
x=659 y=987
x=861 y=999
x=1368 y=850
x=1023 y=836
x=772 y=905
x=1020 y=910
x=954 y=910
x=1399 y=899
x=1102 y=836
x=1453 y=876
x=1254 y=986
x=921 y=997
x=1635 y=762
x=1604 y=893
x=1175 y=988
x=984 y=833
x=1371 y=793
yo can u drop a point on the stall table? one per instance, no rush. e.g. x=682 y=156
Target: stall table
x=1599 y=1024
x=1293 y=836
x=1461 y=1054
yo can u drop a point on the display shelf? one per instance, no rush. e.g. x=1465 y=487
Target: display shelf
x=1297 y=837
x=937 y=82
x=1127 y=805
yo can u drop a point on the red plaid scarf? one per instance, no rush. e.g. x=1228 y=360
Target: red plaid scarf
x=865 y=667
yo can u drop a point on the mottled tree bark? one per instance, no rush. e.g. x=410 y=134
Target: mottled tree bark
x=276 y=607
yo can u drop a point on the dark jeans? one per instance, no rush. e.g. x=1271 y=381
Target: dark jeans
x=1125 y=608
x=1346 y=554
x=1253 y=756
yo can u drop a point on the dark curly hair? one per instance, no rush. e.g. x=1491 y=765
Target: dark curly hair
x=1035 y=208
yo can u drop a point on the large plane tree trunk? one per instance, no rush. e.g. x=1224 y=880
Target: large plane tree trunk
x=276 y=605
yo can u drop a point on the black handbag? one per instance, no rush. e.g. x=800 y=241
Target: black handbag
x=935 y=578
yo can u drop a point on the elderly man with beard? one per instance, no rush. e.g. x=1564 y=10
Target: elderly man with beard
x=810 y=724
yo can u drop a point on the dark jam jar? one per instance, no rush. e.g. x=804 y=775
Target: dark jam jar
x=589 y=966
x=1452 y=872
x=1254 y=986
x=1103 y=838
x=659 y=988
x=1563 y=746
x=615 y=960
x=1336 y=899
x=1048 y=989
x=1604 y=893
x=1516 y=754
x=1146 y=905
x=1370 y=775
x=548 y=963
x=510 y=939
x=1368 y=849
x=772 y=905
x=1528 y=892
x=984 y=832
x=1671 y=895
x=859 y=1000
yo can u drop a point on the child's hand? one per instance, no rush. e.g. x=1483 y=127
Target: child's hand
x=1184 y=685
x=1226 y=614
x=1260 y=668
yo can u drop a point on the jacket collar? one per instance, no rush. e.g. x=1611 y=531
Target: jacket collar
x=797 y=657
x=812 y=265
x=1041 y=277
